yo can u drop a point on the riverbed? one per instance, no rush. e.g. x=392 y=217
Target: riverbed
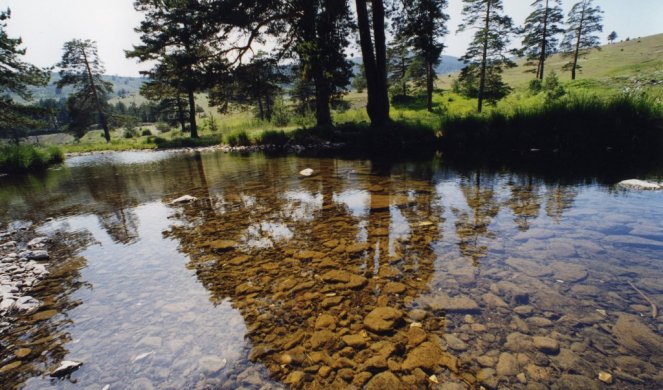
x=366 y=274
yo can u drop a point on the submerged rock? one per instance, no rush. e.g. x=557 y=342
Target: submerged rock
x=384 y=380
x=634 y=335
x=457 y=304
x=636 y=184
x=382 y=319
x=184 y=199
x=65 y=368
x=306 y=172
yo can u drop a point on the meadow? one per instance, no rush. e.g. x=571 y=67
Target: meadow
x=627 y=73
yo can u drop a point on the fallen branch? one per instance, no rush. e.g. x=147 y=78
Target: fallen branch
x=654 y=309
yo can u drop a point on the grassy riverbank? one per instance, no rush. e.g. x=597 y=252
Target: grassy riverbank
x=616 y=104
x=27 y=158
x=578 y=125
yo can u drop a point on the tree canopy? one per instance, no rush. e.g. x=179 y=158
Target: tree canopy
x=82 y=69
x=16 y=76
x=488 y=52
x=541 y=30
x=584 y=20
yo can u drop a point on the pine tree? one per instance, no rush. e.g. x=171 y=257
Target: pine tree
x=399 y=59
x=487 y=54
x=82 y=69
x=612 y=37
x=359 y=79
x=373 y=44
x=423 y=24
x=15 y=78
x=583 y=20
x=321 y=33
x=257 y=83
x=181 y=36
x=541 y=29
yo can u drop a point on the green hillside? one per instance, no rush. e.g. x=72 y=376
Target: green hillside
x=122 y=87
x=633 y=63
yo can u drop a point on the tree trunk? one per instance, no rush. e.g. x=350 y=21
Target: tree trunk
x=374 y=61
x=544 y=41
x=429 y=86
x=268 y=107
x=102 y=117
x=180 y=113
x=381 y=62
x=577 y=52
x=192 y=113
x=261 y=112
x=322 y=98
x=482 y=77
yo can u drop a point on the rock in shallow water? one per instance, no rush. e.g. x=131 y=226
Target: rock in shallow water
x=636 y=184
x=634 y=335
x=65 y=368
x=382 y=319
x=184 y=199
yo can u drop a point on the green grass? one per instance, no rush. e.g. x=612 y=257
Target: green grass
x=577 y=126
x=636 y=65
x=28 y=158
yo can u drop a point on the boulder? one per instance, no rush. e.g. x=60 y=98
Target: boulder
x=635 y=336
x=184 y=199
x=635 y=184
x=306 y=172
x=65 y=368
x=382 y=319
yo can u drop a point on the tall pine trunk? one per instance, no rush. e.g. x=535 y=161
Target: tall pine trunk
x=484 y=56
x=180 y=113
x=544 y=41
x=577 y=51
x=192 y=113
x=429 y=86
x=375 y=61
x=97 y=101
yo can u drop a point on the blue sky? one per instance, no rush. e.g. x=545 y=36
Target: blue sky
x=45 y=25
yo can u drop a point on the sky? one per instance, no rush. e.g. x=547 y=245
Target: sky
x=45 y=25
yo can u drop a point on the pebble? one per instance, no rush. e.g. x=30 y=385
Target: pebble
x=546 y=345
x=605 y=377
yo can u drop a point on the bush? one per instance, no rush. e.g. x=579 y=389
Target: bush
x=146 y=133
x=238 y=139
x=280 y=114
x=25 y=158
x=163 y=127
x=129 y=133
x=535 y=86
x=273 y=137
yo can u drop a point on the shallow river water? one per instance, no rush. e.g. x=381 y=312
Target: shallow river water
x=408 y=275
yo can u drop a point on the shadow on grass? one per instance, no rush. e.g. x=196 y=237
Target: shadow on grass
x=414 y=103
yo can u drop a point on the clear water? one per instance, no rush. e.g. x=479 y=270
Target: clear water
x=260 y=282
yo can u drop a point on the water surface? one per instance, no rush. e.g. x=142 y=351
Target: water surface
x=410 y=274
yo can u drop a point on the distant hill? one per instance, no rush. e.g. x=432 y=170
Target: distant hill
x=449 y=64
x=633 y=63
x=122 y=87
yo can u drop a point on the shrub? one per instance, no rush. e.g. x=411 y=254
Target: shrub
x=25 y=158
x=146 y=133
x=129 y=133
x=273 y=137
x=280 y=114
x=535 y=86
x=238 y=139
x=163 y=127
